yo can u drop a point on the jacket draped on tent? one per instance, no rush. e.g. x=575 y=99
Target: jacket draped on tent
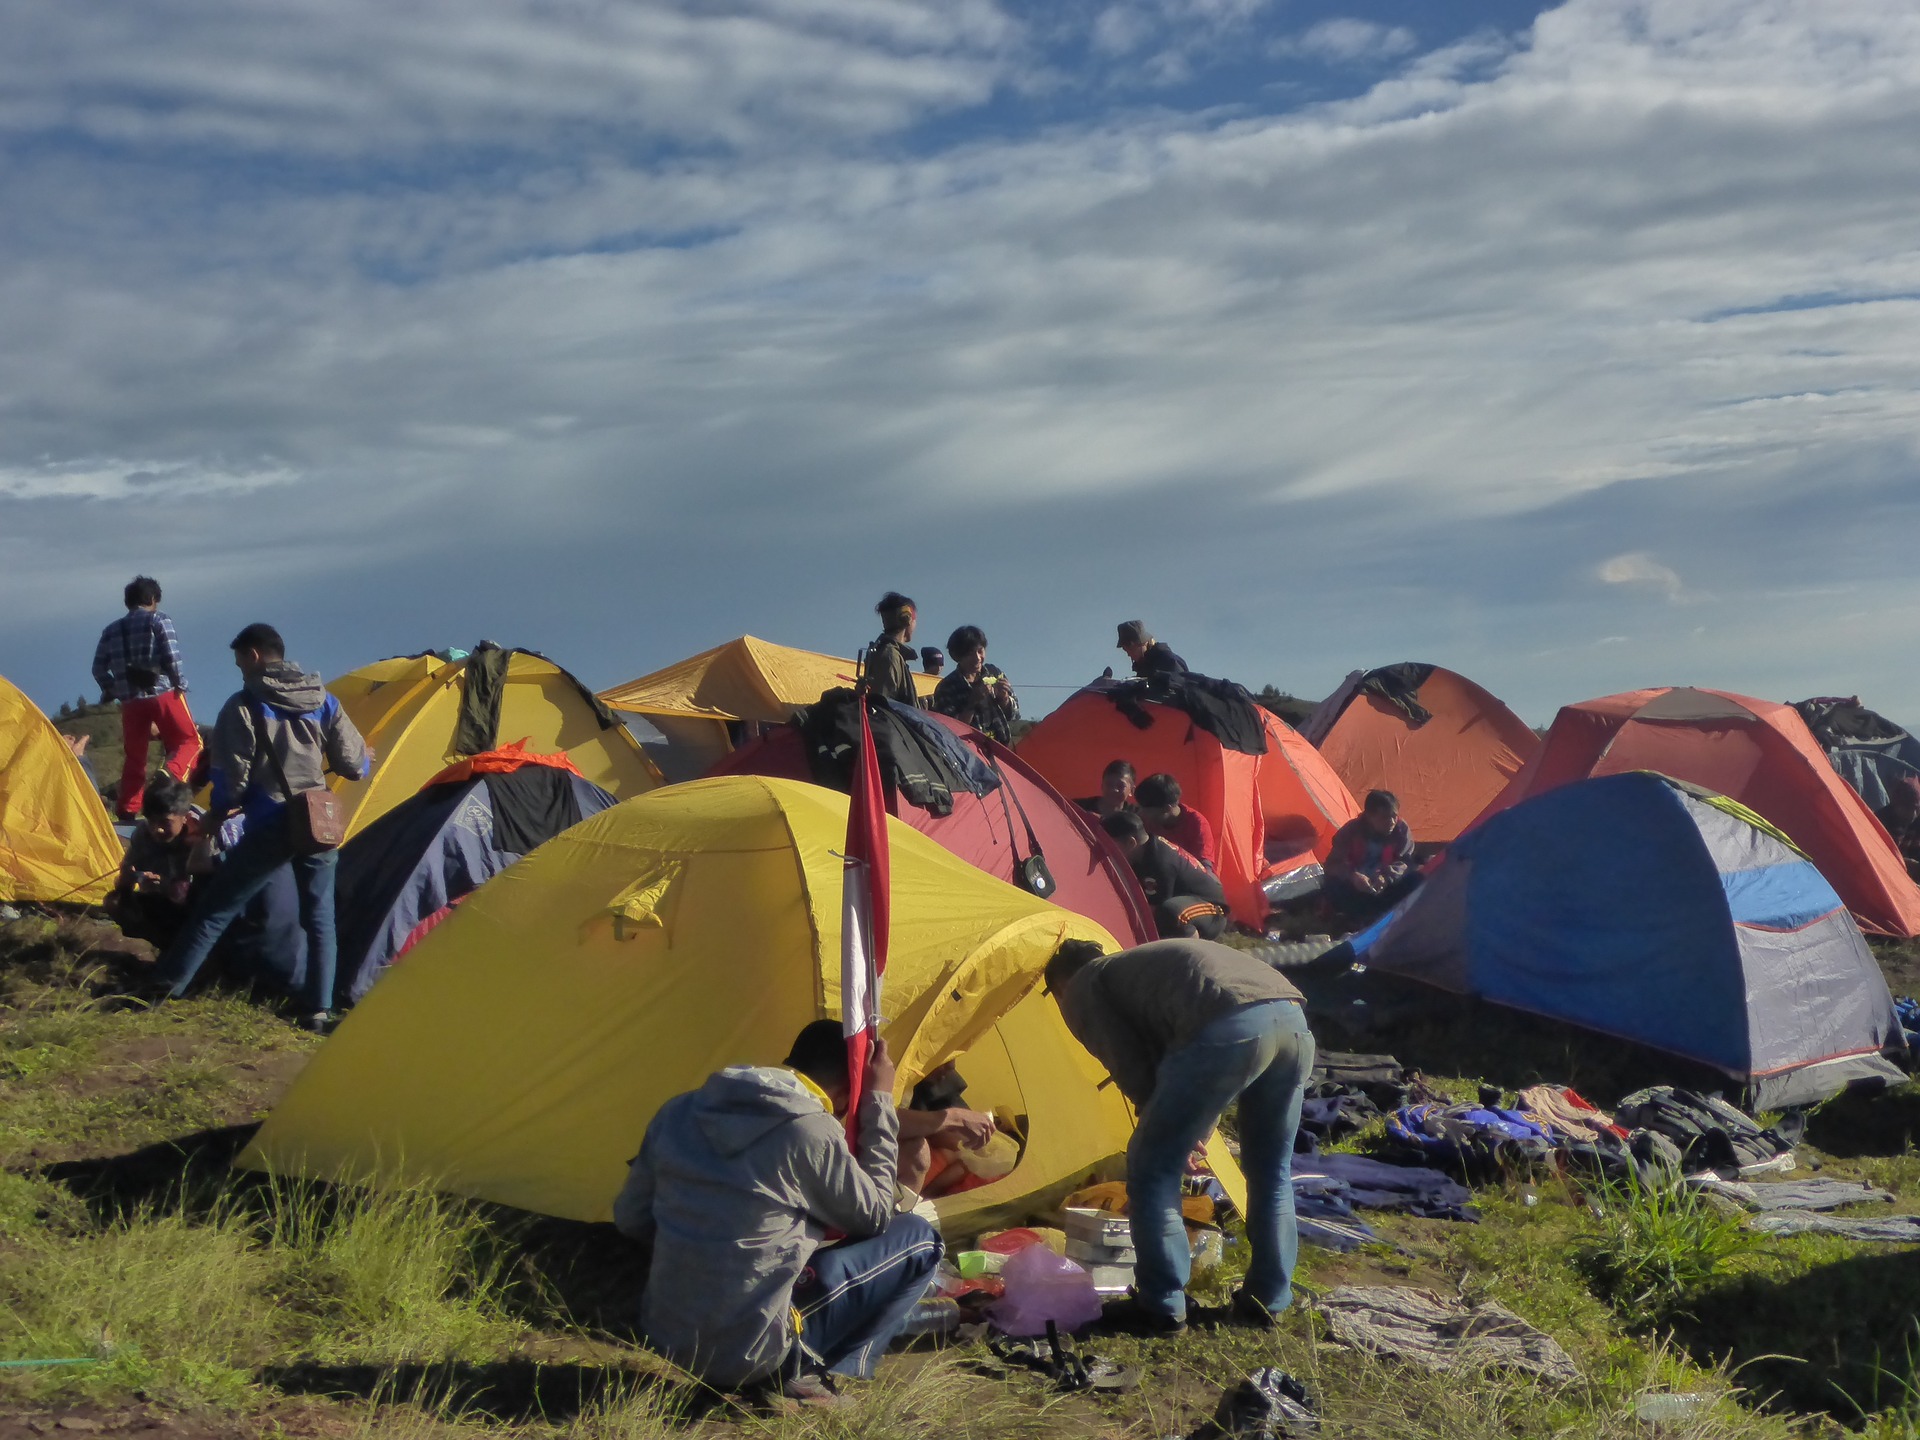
x=1756 y=752
x=520 y=1050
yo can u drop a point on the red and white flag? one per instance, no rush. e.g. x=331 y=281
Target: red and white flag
x=863 y=919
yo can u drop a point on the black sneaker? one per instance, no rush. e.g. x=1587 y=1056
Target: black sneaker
x=1130 y=1317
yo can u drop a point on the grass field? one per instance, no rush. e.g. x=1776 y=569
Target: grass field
x=204 y=1301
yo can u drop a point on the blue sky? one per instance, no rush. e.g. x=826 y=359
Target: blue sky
x=1575 y=348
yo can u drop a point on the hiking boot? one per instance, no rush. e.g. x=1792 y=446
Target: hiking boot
x=321 y=1022
x=812 y=1392
x=1131 y=1317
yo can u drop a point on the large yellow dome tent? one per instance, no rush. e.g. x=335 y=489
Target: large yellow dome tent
x=518 y=1052
x=411 y=709
x=693 y=701
x=56 y=841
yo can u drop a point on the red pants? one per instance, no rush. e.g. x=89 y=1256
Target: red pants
x=139 y=719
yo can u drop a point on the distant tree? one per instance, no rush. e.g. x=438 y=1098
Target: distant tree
x=1289 y=708
x=80 y=706
x=65 y=710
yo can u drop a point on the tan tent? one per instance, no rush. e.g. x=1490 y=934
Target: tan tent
x=693 y=702
x=411 y=709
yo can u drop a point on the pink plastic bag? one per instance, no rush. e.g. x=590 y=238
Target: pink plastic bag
x=1043 y=1286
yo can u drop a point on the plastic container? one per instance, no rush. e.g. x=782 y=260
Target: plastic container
x=1209 y=1249
x=1042 y=1287
x=933 y=1315
x=992 y=1160
x=972 y=1264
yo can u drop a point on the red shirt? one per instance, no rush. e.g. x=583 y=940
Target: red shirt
x=1193 y=834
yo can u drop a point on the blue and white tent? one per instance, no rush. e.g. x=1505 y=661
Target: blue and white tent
x=1651 y=910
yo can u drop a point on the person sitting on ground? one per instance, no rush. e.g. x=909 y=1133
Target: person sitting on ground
x=889 y=668
x=1160 y=807
x=976 y=692
x=137 y=664
x=275 y=738
x=149 y=900
x=1187 y=899
x=1369 y=869
x=1901 y=816
x=1116 y=790
x=934 y=1128
x=1152 y=659
x=1187 y=1028
x=734 y=1190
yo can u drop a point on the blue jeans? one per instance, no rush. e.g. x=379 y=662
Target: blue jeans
x=855 y=1296
x=244 y=873
x=1261 y=1054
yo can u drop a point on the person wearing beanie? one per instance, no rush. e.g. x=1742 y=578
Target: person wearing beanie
x=889 y=668
x=1151 y=658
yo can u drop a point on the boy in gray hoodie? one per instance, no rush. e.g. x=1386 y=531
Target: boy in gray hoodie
x=282 y=723
x=736 y=1186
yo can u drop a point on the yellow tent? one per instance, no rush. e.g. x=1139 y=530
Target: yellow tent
x=518 y=1052
x=56 y=842
x=408 y=709
x=746 y=679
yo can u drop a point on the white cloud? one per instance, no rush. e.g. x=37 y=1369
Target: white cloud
x=1639 y=568
x=1347 y=41
x=1570 y=276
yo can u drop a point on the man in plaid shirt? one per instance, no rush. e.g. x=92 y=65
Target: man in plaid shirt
x=137 y=663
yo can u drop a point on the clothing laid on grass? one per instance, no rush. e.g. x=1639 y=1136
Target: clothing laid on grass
x=1419 y=1327
x=736 y=1186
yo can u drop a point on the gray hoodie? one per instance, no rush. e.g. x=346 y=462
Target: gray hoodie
x=289 y=710
x=735 y=1186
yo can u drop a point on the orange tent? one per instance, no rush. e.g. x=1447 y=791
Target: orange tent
x=1287 y=795
x=1754 y=751
x=1445 y=769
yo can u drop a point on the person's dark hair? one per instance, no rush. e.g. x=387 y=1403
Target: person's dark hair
x=1124 y=825
x=141 y=590
x=1157 y=791
x=1120 y=767
x=1382 y=800
x=967 y=640
x=166 y=796
x=820 y=1053
x=893 y=608
x=1069 y=960
x=263 y=638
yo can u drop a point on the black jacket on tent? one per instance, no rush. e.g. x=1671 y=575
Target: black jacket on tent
x=422 y=856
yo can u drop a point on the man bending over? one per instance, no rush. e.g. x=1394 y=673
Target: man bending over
x=735 y=1188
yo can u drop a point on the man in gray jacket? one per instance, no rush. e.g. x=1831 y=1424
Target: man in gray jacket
x=1186 y=1027
x=735 y=1188
x=277 y=737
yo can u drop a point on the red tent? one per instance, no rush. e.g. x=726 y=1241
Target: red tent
x=1754 y=751
x=1267 y=811
x=988 y=833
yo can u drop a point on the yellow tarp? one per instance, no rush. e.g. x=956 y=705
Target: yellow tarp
x=518 y=1052
x=409 y=707
x=744 y=679
x=56 y=840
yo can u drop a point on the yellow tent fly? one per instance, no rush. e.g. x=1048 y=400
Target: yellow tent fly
x=408 y=709
x=56 y=840
x=745 y=679
x=518 y=1052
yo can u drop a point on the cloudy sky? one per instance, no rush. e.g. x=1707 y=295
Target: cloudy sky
x=1575 y=348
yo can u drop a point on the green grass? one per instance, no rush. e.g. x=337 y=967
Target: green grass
x=125 y=1238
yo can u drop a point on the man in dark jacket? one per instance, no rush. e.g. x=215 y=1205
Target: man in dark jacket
x=137 y=664
x=1186 y=898
x=889 y=668
x=1152 y=659
x=1186 y=1027
x=277 y=737
x=976 y=693
x=734 y=1190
